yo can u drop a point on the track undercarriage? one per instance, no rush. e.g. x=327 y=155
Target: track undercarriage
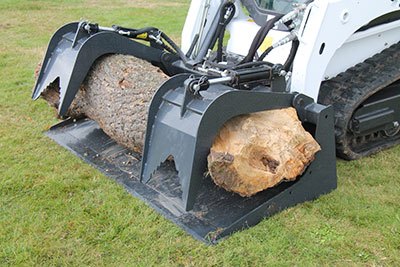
x=366 y=99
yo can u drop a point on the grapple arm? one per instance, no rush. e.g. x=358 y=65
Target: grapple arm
x=73 y=50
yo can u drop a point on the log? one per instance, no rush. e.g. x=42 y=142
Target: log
x=251 y=152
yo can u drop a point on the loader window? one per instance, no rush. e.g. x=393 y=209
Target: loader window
x=279 y=6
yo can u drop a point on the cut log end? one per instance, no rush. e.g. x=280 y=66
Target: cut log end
x=258 y=151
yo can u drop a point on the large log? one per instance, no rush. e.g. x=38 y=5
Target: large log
x=251 y=153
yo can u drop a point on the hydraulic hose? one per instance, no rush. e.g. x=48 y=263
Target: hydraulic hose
x=289 y=62
x=217 y=31
x=134 y=33
x=193 y=45
x=252 y=64
x=223 y=23
x=175 y=47
x=259 y=38
x=265 y=53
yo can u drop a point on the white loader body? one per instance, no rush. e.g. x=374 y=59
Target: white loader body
x=330 y=42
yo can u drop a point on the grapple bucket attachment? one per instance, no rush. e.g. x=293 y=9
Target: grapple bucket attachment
x=71 y=53
x=184 y=125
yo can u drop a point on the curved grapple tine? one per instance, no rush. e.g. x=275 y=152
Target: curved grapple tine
x=71 y=53
x=48 y=73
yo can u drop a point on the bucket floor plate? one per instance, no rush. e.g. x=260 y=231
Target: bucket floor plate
x=217 y=213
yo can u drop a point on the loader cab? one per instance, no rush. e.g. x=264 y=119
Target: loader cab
x=278 y=6
x=260 y=9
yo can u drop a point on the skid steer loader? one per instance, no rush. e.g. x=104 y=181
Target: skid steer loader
x=335 y=61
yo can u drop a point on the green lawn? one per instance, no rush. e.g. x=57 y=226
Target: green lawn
x=56 y=210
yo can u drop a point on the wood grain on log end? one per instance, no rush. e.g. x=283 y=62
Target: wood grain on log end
x=257 y=151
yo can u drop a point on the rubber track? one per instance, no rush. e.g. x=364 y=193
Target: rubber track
x=347 y=91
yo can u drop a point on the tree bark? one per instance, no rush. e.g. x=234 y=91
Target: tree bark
x=116 y=94
x=251 y=152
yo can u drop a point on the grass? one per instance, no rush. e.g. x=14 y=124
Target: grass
x=56 y=210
